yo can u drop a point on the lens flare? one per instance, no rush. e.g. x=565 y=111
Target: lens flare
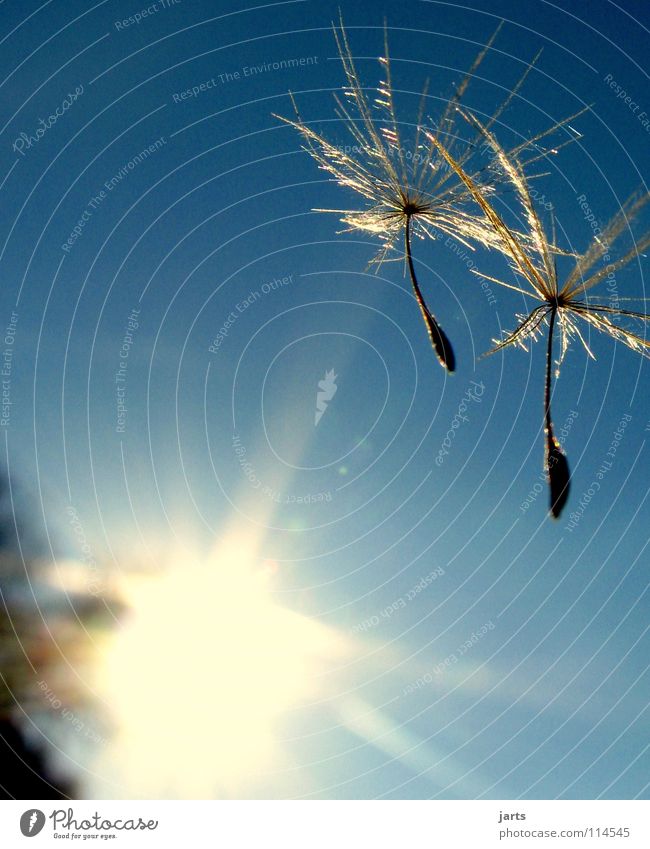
x=199 y=674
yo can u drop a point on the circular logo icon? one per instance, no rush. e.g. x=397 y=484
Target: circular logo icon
x=31 y=822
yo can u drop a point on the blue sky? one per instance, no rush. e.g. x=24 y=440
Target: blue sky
x=212 y=227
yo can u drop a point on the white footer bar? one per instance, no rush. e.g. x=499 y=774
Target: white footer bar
x=327 y=824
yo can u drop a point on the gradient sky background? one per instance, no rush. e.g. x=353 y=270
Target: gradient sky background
x=552 y=700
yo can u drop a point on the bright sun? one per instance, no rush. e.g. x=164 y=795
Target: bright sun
x=199 y=673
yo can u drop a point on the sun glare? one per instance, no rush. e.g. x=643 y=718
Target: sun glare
x=199 y=673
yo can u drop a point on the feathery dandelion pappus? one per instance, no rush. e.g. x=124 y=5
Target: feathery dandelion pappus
x=533 y=261
x=408 y=188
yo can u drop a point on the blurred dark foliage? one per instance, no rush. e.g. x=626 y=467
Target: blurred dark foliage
x=25 y=651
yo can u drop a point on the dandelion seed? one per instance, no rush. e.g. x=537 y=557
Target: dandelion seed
x=533 y=261
x=409 y=190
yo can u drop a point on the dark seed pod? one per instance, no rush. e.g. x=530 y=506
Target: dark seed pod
x=557 y=468
x=441 y=345
x=440 y=342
